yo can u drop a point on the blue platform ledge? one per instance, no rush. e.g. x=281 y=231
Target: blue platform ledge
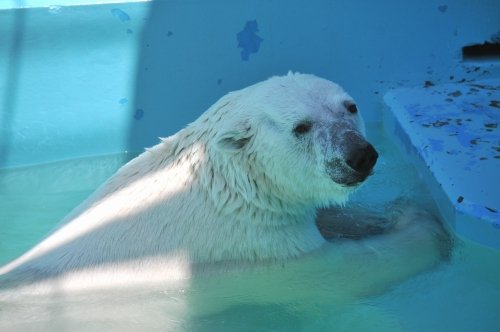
x=452 y=134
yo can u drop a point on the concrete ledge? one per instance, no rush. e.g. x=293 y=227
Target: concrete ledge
x=452 y=133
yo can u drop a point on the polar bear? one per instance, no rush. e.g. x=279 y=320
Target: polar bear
x=241 y=185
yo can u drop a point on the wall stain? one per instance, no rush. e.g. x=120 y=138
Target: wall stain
x=248 y=40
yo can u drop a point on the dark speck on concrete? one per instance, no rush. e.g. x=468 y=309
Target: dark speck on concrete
x=455 y=94
x=471 y=70
x=495 y=103
x=428 y=84
x=491 y=210
x=485 y=87
x=438 y=123
x=443 y=8
x=120 y=14
x=472 y=91
x=139 y=113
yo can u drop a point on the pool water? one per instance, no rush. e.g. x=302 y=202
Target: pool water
x=33 y=199
x=461 y=293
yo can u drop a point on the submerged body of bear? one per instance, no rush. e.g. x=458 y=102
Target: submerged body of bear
x=240 y=185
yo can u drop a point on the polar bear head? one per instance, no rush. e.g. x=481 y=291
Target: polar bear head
x=296 y=140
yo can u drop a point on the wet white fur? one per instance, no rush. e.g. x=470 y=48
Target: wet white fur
x=235 y=186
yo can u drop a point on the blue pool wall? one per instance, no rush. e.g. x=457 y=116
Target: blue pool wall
x=80 y=79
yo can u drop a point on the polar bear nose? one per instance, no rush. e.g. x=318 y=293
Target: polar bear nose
x=362 y=156
x=363 y=159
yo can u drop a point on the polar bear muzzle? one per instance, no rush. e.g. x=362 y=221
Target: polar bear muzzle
x=357 y=161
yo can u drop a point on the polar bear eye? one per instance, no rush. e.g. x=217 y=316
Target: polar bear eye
x=302 y=128
x=352 y=108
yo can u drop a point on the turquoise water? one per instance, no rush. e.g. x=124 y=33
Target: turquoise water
x=33 y=199
x=461 y=293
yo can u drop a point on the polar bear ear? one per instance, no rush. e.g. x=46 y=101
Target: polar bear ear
x=233 y=140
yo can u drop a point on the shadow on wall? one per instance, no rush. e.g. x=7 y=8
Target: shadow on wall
x=13 y=66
